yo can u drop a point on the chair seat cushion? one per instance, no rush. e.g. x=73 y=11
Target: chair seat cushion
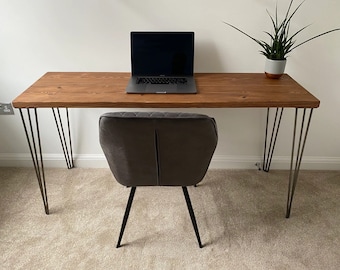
x=158 y=148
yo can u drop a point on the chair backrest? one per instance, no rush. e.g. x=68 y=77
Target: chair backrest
x=156 y=148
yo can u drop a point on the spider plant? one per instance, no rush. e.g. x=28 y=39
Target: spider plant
x=281 y=43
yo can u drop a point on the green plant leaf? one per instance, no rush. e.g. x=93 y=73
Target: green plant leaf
x=281 y=43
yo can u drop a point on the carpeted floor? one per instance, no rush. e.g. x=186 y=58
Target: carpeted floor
x=240 y=215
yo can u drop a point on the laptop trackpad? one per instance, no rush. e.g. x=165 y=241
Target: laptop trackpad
x=160 y=88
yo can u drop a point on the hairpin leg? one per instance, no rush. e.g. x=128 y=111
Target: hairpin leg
x=268 y=152
x=301 y=141
x=67 y=146
x=33 y=138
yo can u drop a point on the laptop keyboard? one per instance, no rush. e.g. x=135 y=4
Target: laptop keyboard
x=161 y=80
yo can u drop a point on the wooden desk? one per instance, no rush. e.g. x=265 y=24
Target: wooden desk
x=215 y=90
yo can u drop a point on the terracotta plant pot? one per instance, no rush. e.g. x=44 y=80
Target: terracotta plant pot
x=274 y=69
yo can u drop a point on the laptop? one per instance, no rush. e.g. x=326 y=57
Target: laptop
x=162 y=62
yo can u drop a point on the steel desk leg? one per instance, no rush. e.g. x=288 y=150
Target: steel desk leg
x=67 y=146
x=31 y=127
x=269 y=150
x=297 y=154
x=299 y=141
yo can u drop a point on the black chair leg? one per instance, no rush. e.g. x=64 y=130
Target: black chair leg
x=192 y=215
x=126 y=215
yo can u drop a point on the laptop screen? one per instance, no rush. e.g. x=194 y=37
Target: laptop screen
x=162 y=53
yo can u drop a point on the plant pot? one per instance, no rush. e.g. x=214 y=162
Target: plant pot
x=274 y=69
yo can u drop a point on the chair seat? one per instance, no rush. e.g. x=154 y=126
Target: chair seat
x=158 y=148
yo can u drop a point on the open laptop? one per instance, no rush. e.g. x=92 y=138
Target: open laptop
x=162 y=62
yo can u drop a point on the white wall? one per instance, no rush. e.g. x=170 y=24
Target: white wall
x=86 y=35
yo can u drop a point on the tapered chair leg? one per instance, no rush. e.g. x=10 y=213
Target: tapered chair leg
x=192 y=215
x=126 y=215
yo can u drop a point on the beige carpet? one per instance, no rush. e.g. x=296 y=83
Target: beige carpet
x=240 y=215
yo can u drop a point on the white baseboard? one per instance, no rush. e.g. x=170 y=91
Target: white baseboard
x=218 y=162
x=278 y=163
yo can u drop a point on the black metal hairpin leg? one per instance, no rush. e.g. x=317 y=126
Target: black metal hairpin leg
x=67 y=146
x=192 y=215
x=268 y=151
x=34 y=144
x=294 y=169
x=126 y=215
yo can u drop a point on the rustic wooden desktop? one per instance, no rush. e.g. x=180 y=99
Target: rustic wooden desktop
x=215 y=90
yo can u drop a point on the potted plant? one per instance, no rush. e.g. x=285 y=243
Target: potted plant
x=281 y=41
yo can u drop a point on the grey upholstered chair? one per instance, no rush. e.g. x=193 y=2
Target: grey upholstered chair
x=158 y=149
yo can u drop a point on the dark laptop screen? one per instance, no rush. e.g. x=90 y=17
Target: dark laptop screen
x=162 y=53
